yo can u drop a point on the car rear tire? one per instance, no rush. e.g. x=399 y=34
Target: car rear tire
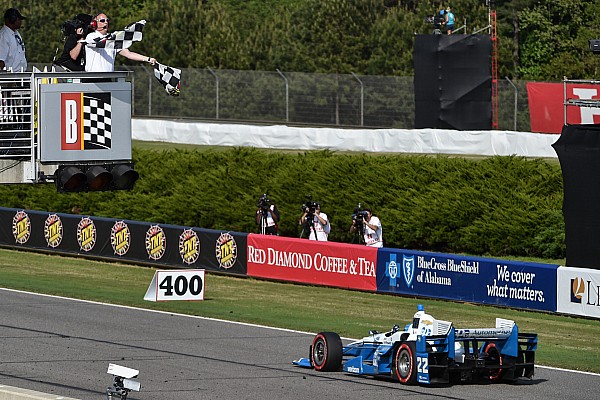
x=405 y=364
x=494 y=357
x=326 y=352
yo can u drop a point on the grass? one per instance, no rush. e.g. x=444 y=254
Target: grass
x=565 y=342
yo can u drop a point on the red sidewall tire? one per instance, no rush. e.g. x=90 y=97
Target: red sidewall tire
x=326 y=352
x=405 y=364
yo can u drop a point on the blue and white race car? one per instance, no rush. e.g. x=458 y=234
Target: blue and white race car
x=429 y=351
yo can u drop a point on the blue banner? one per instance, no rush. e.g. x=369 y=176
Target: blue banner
x=479 y=280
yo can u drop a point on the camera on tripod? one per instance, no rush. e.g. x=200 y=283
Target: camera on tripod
x=359 y=216
x=264 y=203
x=309 y=208
x=436 y=20
x=83 y=21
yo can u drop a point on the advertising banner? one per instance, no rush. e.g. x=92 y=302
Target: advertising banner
x=309 y=261
x=578 y=291
x=134 y=241
x=546 y=105
x=479 y=280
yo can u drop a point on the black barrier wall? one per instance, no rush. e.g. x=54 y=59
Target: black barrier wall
x=578 y=150
x=134 y=241
x=453 y=81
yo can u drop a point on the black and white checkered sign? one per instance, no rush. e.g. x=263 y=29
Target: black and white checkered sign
x=169 y=77
x=97 y=129
x=120 y=39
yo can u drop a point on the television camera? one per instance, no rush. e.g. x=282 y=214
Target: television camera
x=436 y=20
x=264 y=203
x=358 y=221
x=122 y=382
x=267 y=216
x=309 y=207
x=83 y=21
x=359 y=215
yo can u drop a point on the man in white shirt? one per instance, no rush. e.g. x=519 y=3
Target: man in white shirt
x=103 y=59
x=12 y=47
x=320 y=227
x=372 y=230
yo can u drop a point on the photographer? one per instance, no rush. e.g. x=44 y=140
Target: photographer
x=267 y=216
x=437 y=21
x=371 y=226
x=314 y=222
x=73 y=55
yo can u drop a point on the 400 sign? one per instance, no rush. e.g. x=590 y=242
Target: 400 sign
x=171 y=285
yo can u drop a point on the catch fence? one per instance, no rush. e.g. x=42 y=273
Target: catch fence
x=295 y=98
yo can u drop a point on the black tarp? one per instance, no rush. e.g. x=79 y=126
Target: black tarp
x=453 y=81
x=578 y=150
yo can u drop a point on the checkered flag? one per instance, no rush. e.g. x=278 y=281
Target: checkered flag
x=169 y=77
x=97 y=121
x=120 y=39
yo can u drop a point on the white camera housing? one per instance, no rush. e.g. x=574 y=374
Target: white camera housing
x=123 y=372
x=122 y=382
x=130 y=384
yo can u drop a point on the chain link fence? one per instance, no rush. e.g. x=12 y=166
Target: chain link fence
x=345 y=100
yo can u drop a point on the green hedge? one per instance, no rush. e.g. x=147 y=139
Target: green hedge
x=497 y=206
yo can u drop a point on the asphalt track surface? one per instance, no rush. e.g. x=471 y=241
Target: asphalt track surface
x=63 y=347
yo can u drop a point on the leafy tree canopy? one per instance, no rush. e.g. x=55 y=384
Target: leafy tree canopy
x=537 y=40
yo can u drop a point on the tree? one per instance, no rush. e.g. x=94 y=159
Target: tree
x=554 y=39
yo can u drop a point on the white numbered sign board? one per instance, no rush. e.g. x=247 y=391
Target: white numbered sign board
x=168 y=285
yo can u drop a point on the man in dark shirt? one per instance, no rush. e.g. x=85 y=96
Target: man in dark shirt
x=73 y=55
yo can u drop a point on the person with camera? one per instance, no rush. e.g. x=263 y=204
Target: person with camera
x=73 y=55
x=438 y=20
x=315 y=223
x=371 y=228
x=267 y=216
x=99 y=59
x=12 y=47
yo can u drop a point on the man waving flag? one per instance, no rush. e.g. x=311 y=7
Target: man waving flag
x=119 y=39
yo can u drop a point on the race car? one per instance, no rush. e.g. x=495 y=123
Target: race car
x=429 y=351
